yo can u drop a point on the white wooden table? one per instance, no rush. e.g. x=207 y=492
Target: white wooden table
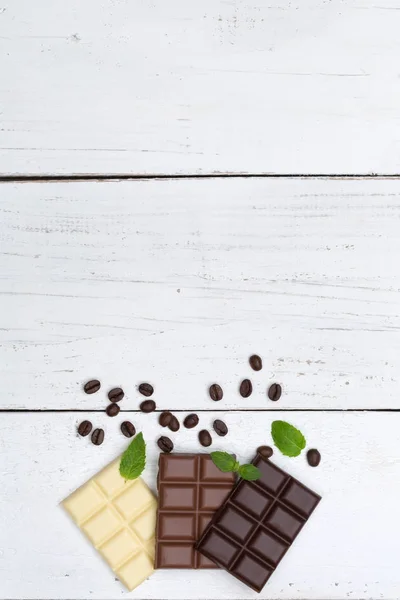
x=132 y=250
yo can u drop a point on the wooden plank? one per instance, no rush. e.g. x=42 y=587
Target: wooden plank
x=349 y=548
x=178 y=282
x=256 y=86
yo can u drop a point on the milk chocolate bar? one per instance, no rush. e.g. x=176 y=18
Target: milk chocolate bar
x=190 y=489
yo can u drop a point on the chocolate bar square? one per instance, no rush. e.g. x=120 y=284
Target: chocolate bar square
x=258 y=522
x=190 y=490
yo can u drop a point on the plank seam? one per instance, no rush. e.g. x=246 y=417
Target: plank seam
x=204 y=410
x=97 y=177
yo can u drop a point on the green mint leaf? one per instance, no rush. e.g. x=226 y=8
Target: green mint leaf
x=224 y=462
x=134 y=458
x=289 y=440
x=249 y=472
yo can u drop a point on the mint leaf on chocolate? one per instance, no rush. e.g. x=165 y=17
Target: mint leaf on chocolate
x=249 y=472
x=226 y=463
x=289 y=440
x=134 y=458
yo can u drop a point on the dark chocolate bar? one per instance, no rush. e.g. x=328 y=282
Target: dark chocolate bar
x=190 y=490
x=257 y=524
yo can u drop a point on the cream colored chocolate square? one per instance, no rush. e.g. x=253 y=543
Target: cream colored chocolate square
x=120 y=548
x=144 y=525
x=119 y=518
x=136 y=570
x=131 y=501
x=102 y=525
x=84 y=502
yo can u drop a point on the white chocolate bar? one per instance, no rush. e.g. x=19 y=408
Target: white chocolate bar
x=119 y=518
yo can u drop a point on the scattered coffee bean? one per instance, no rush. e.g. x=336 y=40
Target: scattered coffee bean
x=128 y=429
x=173 y=423
x=146 y=389
x=165 y=418
x=191 y=421
x=246 y=388
x=220 y=427
x=255 y=362
x=205 y=438
x=165 y=444
x=275 y=392
x=92 y=386
x=148 y=406
x=265 y=451
x=216 y=392
x=85 y=428
x=116 y=395
x=98 y=437
x=313 y=457
x=112 y=409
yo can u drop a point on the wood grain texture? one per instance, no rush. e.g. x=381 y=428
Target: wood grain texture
x=349 y=548
x=255 y=86
x=178 y=282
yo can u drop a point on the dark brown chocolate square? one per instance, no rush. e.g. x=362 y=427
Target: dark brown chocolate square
x=283 y=522
x=299 y=498
x=236 y=524
x=268 y=546
x=251 y=571
x=225 y=549
x=250 y=498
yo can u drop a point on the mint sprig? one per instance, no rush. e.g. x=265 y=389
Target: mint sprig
x=133 y=459
x=249 y=472
x=227 y=464
x=289 y=440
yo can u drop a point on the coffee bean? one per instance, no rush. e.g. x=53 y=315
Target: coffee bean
x=165 y=444
x=98 y=437
x=191 y=421
x=147 y=406
x=205 y=438
x=92 y=386
x=128 y=429
x=216 y=392
x=255 y=362
x=246 y=388
x=165 y=418
x=265 y=451
x=173 y=423
x=116 y=395
x=220 y=427
x=275 y=392
x=112 y=409
x=146 y=389
x=313 y=457
x=85 y=428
